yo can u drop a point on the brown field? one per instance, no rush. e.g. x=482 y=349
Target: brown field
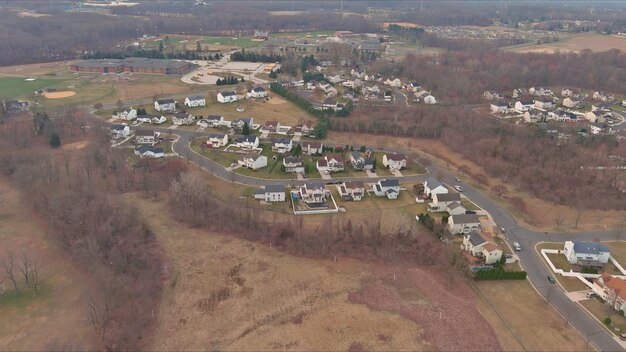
x=540 y=215
x=53 y=318
x=59 y=95
x=576 y=43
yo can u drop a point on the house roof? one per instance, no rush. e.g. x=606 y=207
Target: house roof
x=148 y=148
x=197 y=97
x=432 y=183
x=275 y=188
x=292 y=160
x=337 y=158
x=396 y=157
x=526 y=101
x=252 y=156
x=227 y=94
x=389 y=183
x=282 y=141
x=369 y=161
x=118 y=127
x=615 y=283
x=490 y=247
x=354 y=184
x=475 y=238
x=448 y=197
x=356 y=155
x=249 y=138
x=216 y=135
x=166 y=101
x=182 y=115
x=258 y=89
x=311 y=144
x=330 y=101
x=214 y=117
x=247 y=120
x=259 y=191
x=313 y=185
x=271 y=123
x=322 y=162
x=454 y=205
x=144 y=133
x=590 y=247
x=465 y=219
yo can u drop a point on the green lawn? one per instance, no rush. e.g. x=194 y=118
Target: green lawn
x=301 y=34
x=245 y=42
x=601 y=311
x=14 y=87
x=467 y=204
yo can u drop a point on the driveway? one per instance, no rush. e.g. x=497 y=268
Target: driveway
x=371 y=173
x=325 y=176
x=396 y=172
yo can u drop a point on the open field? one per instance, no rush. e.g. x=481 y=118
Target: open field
x=524 y=321
x=575 y=43
x=51 y=318
x=14 y=87
x=602 y=311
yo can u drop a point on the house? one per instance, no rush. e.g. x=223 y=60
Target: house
x=312 y=193
x=335 y=79
x=596 y=116
x=604 y=97
x=270 y=126
x=330 y=104
x=572 y=101
x=562 y=116
x=304 y=129
x=432 y=187
x=157 y=120
x=247 y=142
x=387 y=188
x=261 y=34
x=252 y=161
x=216 y=140
x=519 y=92
x=491 y=95
x=455 y=208
x=524 y=105
x=479 y=246
x=165 y=105
x=312 y=84
x=598 y=128
x=12 y=106
x=293 y=164
x=310 y=148
x=240 y=122
x=500 y=107
x=281 y=145
x=602 y=106
x=257 y=93
x=352 y=190
x=148 y=151
x=393 y=82
x=535 y=115
x=127 y=115
x=491 y=253
x=544 y=103
x=566 y=92
x=145 y=137
x=330 y=163
x=214 y=120
x=357 y=73
x=429 y=99
x=414 y=86
x=357 y=161
x=183 y=118
x=442 y=200
x=271 y=193
x=586 y=253
x=394 y=161
x=195 y=101
x=463 y=223
x=119 y=131
x=540 y=91
x=612 y=290
x=624 y=103
x=227 y=97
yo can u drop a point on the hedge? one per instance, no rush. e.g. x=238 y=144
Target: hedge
x=500 y=274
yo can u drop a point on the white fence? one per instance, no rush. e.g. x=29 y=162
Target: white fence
x=581 y=276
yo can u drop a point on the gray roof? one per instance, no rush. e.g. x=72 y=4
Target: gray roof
x=144 y=133
x=259 y=191
x=197 y=97
x=216 y=135
x=282 y=141
x=432 y=183
x=166 y=101
x=275 y=188
x=214 y=117
x=590 y=247
x=259 y=89
x=449 y=197
x=454 y=205
x=389 y=183
x=475 y=238
x=226 y=94
x=118 y=127
x=292 y=160
x=356 y=155
x=244 y=120
x=148 y=148
x=250 y=138
x=465 y=219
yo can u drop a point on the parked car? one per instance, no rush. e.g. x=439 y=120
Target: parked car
x=622 y=337
x=457 y=179
x=516 y=246
x=507 y=255
x=551 y=279
x=591 y=294
x=470 y=212
x=458 y=188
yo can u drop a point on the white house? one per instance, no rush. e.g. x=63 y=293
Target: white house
x=330 y=163
x=352 y=190
x=624 y=103
x=598 y=128
x=148 y=151
x=524 y=105
x=394 y=161
x=491 y=95
x=312 y=193
x=304 y=129
x=464 y=223
x=540 y=91
x=145 y=137
x=586 y=253
x=127 y=115
x=164 y=105
x=227 y=97
x=119 y=131
x=216 y=140
x=282 y=145
x=393 y=82
x=387 y=188
x=432 y=187
x=455 y=208
x=535 y=115
x=153 y=119
x=257 y=93
x=500 y=107
x=183 y=118
x=361 y=163
x=253 y=161
x=270 y=126
x=442 y=200
x=602 y=96
x=240 y=122
x=596 y=116
x=214 y=120
x=612 y=290
x=544 y=103
x=413 y=86
x=429 y=99
x=571 y=102
x=247 y=142
x=330 y=104
x=271 y=193
x=479 y=246
x=195 y=101
x=293 y=164
x=310 y=148
x=566 y=92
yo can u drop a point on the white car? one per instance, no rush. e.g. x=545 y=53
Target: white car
x=458 y=188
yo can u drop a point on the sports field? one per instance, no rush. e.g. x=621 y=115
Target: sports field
x=13 y=87
x=576 y=43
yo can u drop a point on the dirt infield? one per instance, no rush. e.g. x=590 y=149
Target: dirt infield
x=59 y=95
x=577 y=43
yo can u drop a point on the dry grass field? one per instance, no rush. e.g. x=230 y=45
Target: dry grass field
x=53 y=317
x=576 y=43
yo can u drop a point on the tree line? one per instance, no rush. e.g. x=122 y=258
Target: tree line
x=251 y=56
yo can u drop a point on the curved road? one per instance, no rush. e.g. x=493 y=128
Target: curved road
x=529 y=259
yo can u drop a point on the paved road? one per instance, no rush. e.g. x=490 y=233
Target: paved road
x=530 y=260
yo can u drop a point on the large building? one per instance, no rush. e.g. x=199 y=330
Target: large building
x=133 y=64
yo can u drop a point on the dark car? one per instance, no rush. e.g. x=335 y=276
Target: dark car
x=470 y=212
x=551 y=279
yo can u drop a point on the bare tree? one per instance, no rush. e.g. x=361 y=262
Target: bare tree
x=499 y=190
x=99 y=313
x=559 y=219
x=9 y=264
x=29 y=270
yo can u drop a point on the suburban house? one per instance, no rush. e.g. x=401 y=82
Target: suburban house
x=598 y=128
x=455 y=208
x=394 y=161
x=429 y=99
x=153 y=119
x=330 y=163
x=432 y=187
x=330 y=103
x=562 y=116
x=165 y=105
x=282 y=145
x=586 y=253
x=247 y=142
x=624 y=103
x=239 y=123
x=127 y=115
x=312 y=193
x=145 y=137
x=393 y=82
x=227 y=97
x=478 y=246
x=216 y=140
x=500 y=107
x=572 y=101
x=352 y=190
x=413 y=86
x=148 y=151
x=540 y=91
x=214 y=120
x=271 y=193
x=524 y=105
x=252 y=161
x=544 y=103
x=442 y=200
x=566 y=92
x=387 y=188
x=257 y=93
x=602 y=96
x=304 y=129
x=194 y=102
x=463 y=223
x=312 y=84
x=519 y=92
x=270 y=126
x=597 y=115
x=535 y=115
x=119 y=131
x=612 y=290
x=359 y=162
x=183 y=118
x=310 y=148
x=15 y=106
x=293 y=164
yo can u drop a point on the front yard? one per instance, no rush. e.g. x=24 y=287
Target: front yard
x=601 y=311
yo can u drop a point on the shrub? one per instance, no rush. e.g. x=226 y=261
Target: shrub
x=500 y=274
x=54 y=140
x=607 y=321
